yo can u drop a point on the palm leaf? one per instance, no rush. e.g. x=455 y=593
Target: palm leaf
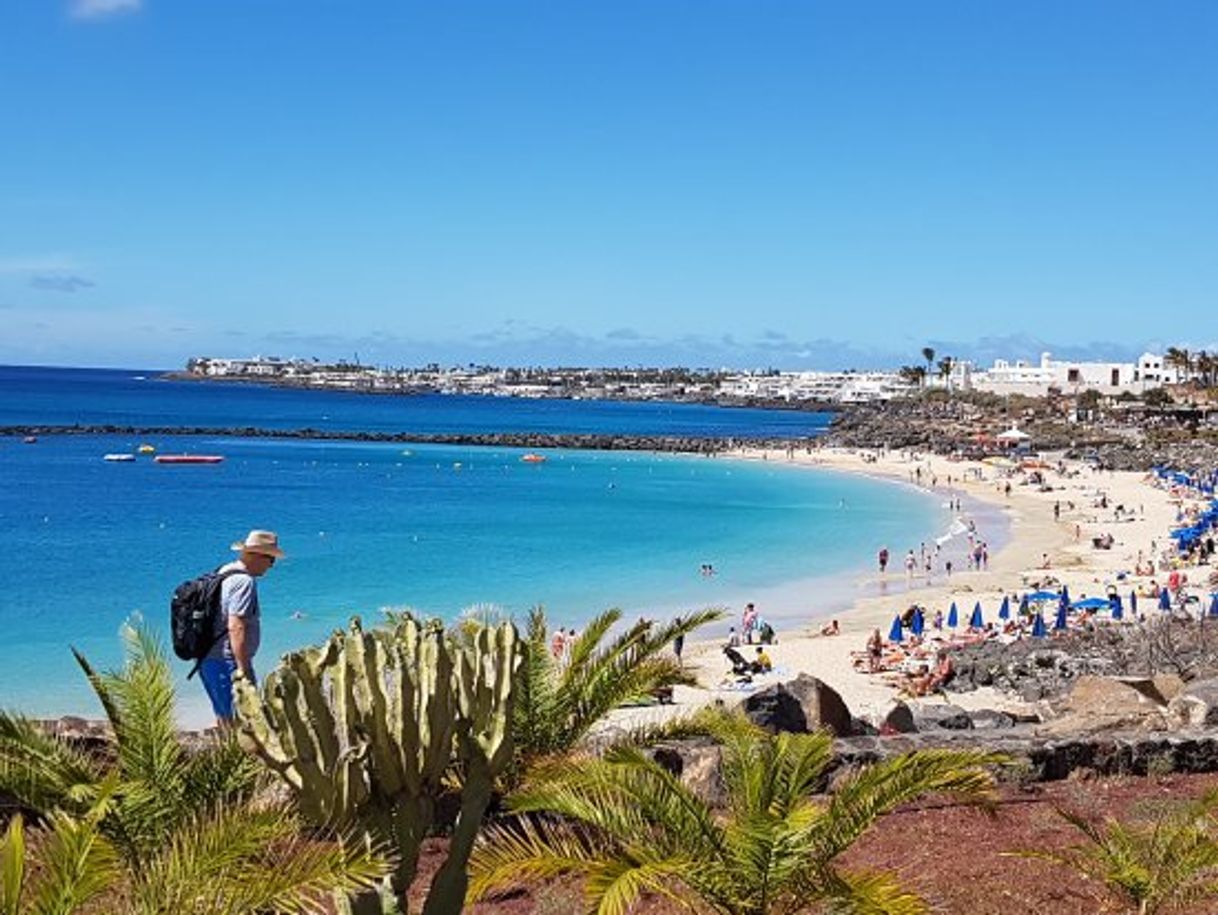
x=42 y=771
x=866 y=893
x=861 y=799
x=627 y=826
x=76 y=864
x=12 y=866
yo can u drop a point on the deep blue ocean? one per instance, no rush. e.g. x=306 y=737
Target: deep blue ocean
x=85 y=544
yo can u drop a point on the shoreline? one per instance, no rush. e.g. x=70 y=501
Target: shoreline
x=1014 y=566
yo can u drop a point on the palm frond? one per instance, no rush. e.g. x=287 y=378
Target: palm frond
x=627 y=825
x=867 y=893
x=220 y=773
x=520 y=852
x=41 y=771
x=12 y=866
x=862 y=798
x=299 y=875
x=76 y=864
x=588 y=643
x=143 y=694
x=1168 y=861
x=536 y=718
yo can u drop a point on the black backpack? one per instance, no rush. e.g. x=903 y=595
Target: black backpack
x=193 y=615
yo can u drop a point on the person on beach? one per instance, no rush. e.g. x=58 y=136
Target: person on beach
x=733 y=638
x=678 y=646
x=239 y=624
x=763 y=664
x=883 y=560
x=748 y=621
x=875 y=650
x=937 y=678
x=558 y=644
x=910 y=563
x=831 y=629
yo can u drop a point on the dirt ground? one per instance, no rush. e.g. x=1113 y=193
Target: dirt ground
x=948 y=853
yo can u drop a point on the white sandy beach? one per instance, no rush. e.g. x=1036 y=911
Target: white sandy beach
x=1149 y=513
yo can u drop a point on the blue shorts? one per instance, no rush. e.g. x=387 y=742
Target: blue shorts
x=217 y=677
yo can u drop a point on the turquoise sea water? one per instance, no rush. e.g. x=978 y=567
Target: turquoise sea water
x=84 y=544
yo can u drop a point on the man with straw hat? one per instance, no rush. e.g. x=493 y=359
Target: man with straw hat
x=239 y=622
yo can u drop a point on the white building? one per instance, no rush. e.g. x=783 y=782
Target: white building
x=1070 y=377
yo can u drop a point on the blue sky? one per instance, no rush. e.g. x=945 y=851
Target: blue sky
x=746 y=183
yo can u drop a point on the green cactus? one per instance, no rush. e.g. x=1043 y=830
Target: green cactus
x=364 y=729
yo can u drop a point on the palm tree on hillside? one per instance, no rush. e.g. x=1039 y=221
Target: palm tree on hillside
x=1179 y=359
x=170 y=819
x=628 y=826
x=1207 y=366
x=559 y=703
x=928 y=353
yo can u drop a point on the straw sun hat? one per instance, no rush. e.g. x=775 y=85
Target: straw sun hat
x=265 y=542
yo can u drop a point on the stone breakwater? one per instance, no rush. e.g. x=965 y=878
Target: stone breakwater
x=572 y=441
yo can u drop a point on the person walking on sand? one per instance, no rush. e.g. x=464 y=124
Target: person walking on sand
x=238 y=630
x=748 y=622
x=883 y=560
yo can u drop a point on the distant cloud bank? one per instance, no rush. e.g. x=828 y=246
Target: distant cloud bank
x=102 y=9
x=57 y=282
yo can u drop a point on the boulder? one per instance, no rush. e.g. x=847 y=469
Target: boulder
x=799 y=706
x=1097 y=704
x=696 y=762
x=1195 y=706
x=898 y=720
x=989 y=719
x=934 y=716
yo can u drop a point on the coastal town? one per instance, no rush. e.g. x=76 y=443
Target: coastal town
x=1046 y=376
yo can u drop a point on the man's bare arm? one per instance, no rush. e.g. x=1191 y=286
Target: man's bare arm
x=236 y=637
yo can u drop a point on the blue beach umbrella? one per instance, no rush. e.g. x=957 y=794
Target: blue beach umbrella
x=953 y=616
x=1092 y=603
x=1133 y=601
x=1065 y=595
x=1117 y=610
x=1214 y=605
x=1164 y=600
x=1004 y=612
x=1059 y=621
x=918 y=624
x=895 y=633
x=1038 y=627
x=975 y=621
x=1023 y=605
x=1037 y=596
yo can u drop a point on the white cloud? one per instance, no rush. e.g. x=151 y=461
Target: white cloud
x=102 y=9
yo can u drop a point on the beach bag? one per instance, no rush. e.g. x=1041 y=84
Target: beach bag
x=193 y=613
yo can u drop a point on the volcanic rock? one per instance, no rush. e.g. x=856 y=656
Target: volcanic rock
x=799 y=706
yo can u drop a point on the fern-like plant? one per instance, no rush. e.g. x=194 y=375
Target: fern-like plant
x=558 y=704
x=628 y=826
x=1147 y=865
x=163 y=829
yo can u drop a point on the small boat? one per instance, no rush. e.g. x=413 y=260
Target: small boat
x=532 y=458
x=118 y=458
x=147 y=449
x=30 y=440
x=189 y=458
